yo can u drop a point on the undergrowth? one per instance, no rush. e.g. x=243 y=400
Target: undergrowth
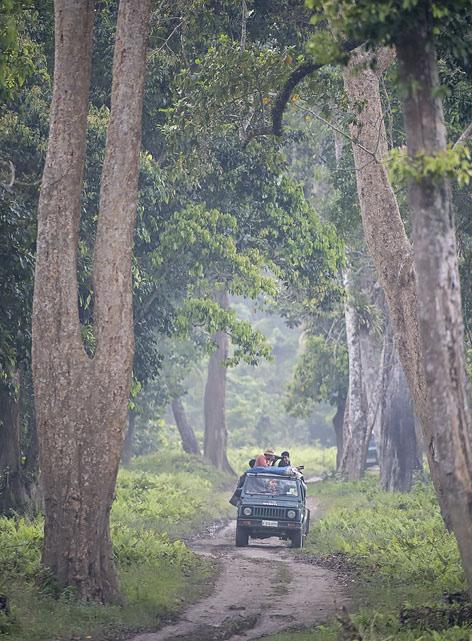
x=399 y=538
x=397 y=554
x=159 y=500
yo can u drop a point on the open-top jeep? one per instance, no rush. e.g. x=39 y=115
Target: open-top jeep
x=272 y=505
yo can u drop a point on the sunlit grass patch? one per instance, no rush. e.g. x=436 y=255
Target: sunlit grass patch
x=171 y=492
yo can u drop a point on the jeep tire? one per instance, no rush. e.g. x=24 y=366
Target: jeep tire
x=242 y=537
x=297 y=539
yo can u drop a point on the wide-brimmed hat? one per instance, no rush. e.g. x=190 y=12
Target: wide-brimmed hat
x=269 y=451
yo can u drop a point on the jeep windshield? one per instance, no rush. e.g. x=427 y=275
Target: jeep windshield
x=270 y=486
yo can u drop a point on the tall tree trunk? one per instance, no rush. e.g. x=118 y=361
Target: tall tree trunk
x=371 y=363
x=385 y=234
x=355 y=437
x=12 y=488
x=448 y=433
x=214 y=402
x=397 y=444
x=187 y=435
x=30 y=445
x=81 y=402
x=338 y=424
x=127 y=452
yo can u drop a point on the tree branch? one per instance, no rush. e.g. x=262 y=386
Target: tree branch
x=340 y=131
x=244 y=16
x=283 y=96
x=465 y=136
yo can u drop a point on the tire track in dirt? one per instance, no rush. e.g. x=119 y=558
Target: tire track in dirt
x=261 y=589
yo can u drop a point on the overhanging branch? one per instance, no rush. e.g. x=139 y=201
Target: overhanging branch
x=283 y=96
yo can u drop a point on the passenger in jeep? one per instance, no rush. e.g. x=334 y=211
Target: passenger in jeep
x=284 y=459
x=234 y=500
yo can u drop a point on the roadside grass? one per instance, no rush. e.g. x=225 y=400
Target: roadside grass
x=160 y=499
x=316 y=459
x=399 y=557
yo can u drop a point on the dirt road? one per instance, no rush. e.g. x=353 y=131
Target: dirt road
x=262 y=589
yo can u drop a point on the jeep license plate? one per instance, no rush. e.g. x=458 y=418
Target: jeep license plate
x=270 y=524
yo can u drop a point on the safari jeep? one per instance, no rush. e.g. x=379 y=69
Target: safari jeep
x=272 y=505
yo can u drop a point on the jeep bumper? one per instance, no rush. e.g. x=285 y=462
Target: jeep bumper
x=264 y=528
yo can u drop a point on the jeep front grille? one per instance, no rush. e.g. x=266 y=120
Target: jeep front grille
x=269 y=512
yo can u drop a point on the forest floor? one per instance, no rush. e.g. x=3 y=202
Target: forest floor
x=262 y=589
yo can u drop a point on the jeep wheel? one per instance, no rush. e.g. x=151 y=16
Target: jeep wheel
x=242 y=537
x=297 y=539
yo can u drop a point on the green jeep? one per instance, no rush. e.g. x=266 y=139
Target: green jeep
x=272 y=505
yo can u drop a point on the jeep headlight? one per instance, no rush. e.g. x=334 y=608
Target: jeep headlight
x=247 y=511
x=291 y=514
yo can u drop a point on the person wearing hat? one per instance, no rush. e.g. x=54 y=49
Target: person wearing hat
x=269 y=454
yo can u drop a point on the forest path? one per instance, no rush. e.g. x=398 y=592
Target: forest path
x=261 y=589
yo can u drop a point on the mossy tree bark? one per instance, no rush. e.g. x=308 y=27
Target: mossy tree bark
x=81 y=402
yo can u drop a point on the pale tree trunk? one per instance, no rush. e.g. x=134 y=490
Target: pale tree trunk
x=12 y=487
x=81 y=402
x=371 y=346
x=448 y=433
x=397 y=443
x=214 y=402
x=355 y=429
x=127 y=451
x=187 y=435
x=385 y=235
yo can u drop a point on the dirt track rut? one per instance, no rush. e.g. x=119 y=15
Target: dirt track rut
x=261 y=589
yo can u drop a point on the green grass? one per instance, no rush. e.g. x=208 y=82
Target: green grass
x=399 y=538
x=160 y=499
x=399 y=553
